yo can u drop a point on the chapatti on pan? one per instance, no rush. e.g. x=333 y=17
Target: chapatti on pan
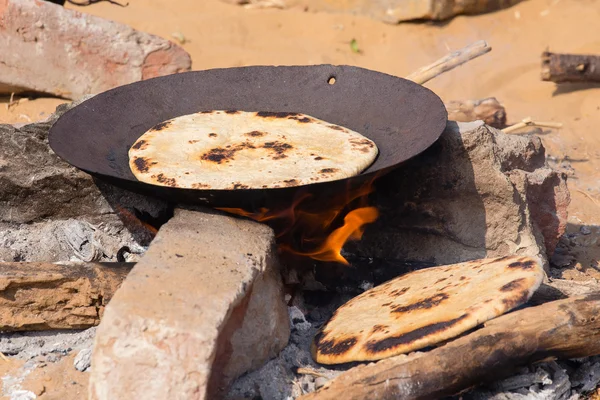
x=248 y=150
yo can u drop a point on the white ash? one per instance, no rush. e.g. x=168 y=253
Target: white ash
x=83 y=360
x=555 y=380
x=293 y=372
x=66 y=240
x=11 y=384
x=51 y=346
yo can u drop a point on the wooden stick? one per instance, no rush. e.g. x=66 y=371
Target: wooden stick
x=567 y=328
x=37 y=296
x=570 y=67
x=527 y=122
x=488 y=110
x=449 y=62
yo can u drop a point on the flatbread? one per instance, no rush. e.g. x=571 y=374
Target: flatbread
x=248 y=150
x=425 y=308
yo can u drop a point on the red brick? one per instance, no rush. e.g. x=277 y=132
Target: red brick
x=50 y=49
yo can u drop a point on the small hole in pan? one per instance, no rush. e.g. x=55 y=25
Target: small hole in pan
x=331 y=80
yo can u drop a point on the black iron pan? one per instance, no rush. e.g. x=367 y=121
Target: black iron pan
x=401 y=117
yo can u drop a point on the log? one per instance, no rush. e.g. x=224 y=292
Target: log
x=570 y=67
x=488 y=110
x=450 y=61
x=567 y=328
x=40 y=296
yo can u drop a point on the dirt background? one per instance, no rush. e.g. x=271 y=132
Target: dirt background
x=222 y=35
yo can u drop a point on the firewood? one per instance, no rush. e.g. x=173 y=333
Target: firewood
x=38 y=296
x=528 y=122
x=488 y=110
x=450 y=61
x=570 y=67
x=567 y=328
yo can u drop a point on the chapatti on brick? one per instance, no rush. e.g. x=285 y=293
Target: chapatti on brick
x=425 y=308
x=248 y=150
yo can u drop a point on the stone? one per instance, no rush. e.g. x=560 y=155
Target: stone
x=83 y=360
x=391 y=11
x=475 y=193
x=39 y=296
x=51 y=211
x=204 y=305
x=48 y=48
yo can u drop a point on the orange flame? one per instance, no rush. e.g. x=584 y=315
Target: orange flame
x=306 y=228
x=353 y=228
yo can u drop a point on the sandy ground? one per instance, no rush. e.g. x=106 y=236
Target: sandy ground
x=222 y=35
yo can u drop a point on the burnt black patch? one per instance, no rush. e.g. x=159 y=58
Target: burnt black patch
x=302 y=120
x=240 y=186
x=399 y=292
x=200 y=185
x=337 y=128
x=441 y=280
x=378 y=346
x=193 y=141
x=142 y=164
x=219 y=155
x=522 y=265
x=319 y=158
x=139 y=145
x=161 y=126
x=291 y=182
x=255 y=134
x=379 y=328
x=510 y=286
x=279 y=148
x=231 y=112
x=206 y=112
x=495 y=260
x=362 y=142
x=164 y=180
x=423 y=304
x=462 y=278
x=328 y=170
x=333 y=346
x=212 y=134
x=515 y=300
x=270 y=114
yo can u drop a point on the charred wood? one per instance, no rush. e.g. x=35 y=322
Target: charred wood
x=570 y=67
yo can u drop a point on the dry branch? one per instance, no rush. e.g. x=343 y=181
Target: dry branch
x=567 y=328
x=449 y=62
x=570 y=67
x=488 y=110
x=37 y=296
x=528 y=122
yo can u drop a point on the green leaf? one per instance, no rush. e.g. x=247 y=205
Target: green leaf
x=354 y=46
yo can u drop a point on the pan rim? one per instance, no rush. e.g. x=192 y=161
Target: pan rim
x=335 y=70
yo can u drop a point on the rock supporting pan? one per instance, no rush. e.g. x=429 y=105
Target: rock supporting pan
x=401 y=117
